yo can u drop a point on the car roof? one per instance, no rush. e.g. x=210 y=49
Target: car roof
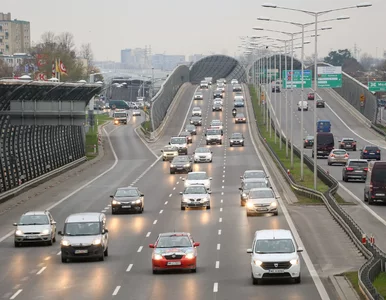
x=347 y=139
x=175 y=137
x=338 y=150
x=84 y=217
x=203 y=148
x=236 y=133
x=254 y=171
x=310 y=136
x=127 y=188
x=184 y=133
x=250 y=180
x=240 y=114
x=196 y=107
x=201 y=172
x=174 y=234
x=371 y=146
x=358 y=159
x=271 y=234
x=35 y=212
x=262 y=189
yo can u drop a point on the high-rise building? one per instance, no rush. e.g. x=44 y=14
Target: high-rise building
x=15 y=35
x=126 y=56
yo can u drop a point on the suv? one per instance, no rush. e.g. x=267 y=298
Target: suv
x=204 y=85
x=181 y=143
x=370 y=152
x=355 y=169
x=274 y=256
x=236 y=138
x=348 y=144
x=213 y=136
x=320 y=103
x=325 y=144
x=84 y=236
x=375 y=185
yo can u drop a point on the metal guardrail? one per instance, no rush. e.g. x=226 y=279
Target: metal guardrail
x=376 y=258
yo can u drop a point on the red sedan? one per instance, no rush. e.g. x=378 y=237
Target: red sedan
x=311 y=96
x=175 y=250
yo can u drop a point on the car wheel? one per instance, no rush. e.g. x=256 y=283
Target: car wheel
x=54 y=238
x=155 y=271
x=17 y=245
x=276 y=213
x=298 y=279
x=210 y=160
x=183 y=208
x=49 y=243
x=141 y=211
x=113 y=212
x=194 y=270
x=242 y=144
x=255 y=281
x=371 y=202
x=102 y=258
x=208 y=207
x=207 y=143
x=106 y=252
x=345 y=179
x=230 y=145
x=172 y=172
x=355 y=149
x=64 y=260
x=364 y=197
x=329 y=163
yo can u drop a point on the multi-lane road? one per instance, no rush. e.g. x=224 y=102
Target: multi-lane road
x=223 y=270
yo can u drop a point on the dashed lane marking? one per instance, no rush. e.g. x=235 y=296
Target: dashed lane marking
x=155 y=222
x=16 y=294
x=174 y=188
x=217 y=264
x=161 y=211
x=166 y=202
x=170 y=195
x=116 y=290
x=220 y=220
x=129 y=268
x=60 y=252
x=220 y=208
x=219 y=232
x=221 y=200
x=148 y=234
x=222 y=193
x=215 y=287
x=41 y=271
x=103 y=210
x=218 y=246
x=140 y=249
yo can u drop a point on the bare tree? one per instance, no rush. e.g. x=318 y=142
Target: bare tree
x=367 y=61
x=87 y=53
x=5 y=70
x=48 y=37
x=65 y=41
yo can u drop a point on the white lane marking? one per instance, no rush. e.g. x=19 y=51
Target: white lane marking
x=218 y=246
x=166 y=202
x=161 y=211
x=315 y=277
x=188 y=112
x=41 y=271
x=103 y=210
x=60 y=252
x=140 y=249
x=48 y=258
x=221 y=200
x=223 y=180
x=222 y=187
x=155 y=222
x=116 y=290
x=219 y=232
x=220 y=220
x=145 y=143
x=170 y=195
x=80 y=188
x=106 y=207
x=174 y=188
x=148 y=234
x=217 y=264
x=215 y=287
x=109 y=205
x=129 y=268
x=177 y=182
x=16 y=294
x=222 y=193
x=220 y=208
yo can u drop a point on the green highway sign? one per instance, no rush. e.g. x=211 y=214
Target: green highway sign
x=297 y=79
x=377 y=86
x=329 y=77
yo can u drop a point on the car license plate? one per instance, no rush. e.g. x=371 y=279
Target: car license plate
x=276 y=271
x=379 y=194
x=31 y=237
x=372 y=153
x=358 y=171
x=320 y=151
x=126 y=206
x=348 y=146
x=262 y=209
x=174 y=263
x=81 y=251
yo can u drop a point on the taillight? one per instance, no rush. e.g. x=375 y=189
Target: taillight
x=371 y=186
x=366 y=169
x=354 y=143
x=306 y=141
x=332 y=155
x=342 y=144
x=378 y=151
x=349 y=169
x=364 y=151
x=346 y=155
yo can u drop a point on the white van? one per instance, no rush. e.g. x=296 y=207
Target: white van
x=303 y=105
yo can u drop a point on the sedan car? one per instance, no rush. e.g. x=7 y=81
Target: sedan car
x=218 y=94
x=311 y=96
x=136 y=113
x=169 y=152
x=191 y=128
x=187 y=135
x=320 y=103
x=195 y=196
x=237 y=88
x=240 y=118
x=218 y=101
x=197 y=178
x=198 y=96
x=261 y=201
x=216 y=124
x=202 y=155
x=355 y=169
x=196 y=111
x=127 y=199
x=234 y=81
x=238 y=103
x=337 y=156
x=174 y=250
x=35 y=227
x=308 y=142
x=370 y=152
x=348 y=144
x=236 y=139
x=254 y=174
x=217 y=107
x=197 y=121
x=247 y=185
x=181 y=164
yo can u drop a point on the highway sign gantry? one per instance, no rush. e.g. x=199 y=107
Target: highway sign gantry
x=329 y=77
x=377 y=86
x=296 y=78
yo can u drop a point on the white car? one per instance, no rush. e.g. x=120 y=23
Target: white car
x=181 y=143
x=202 y=155
x=261 y=201
x=274 y=256
x=196 y=112
x=136 y=113
x=197 y=178
x=217 y=124
x=198 y=96
x=238 y=98
x=234 y=81
x=204 y=85
x=303 y=105
x=218 y=101
x=195 y=196
x=255 y=174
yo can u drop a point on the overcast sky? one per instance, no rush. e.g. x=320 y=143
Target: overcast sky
x=200 y=26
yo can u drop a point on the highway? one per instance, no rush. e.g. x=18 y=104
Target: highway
x=371 y=218
x=224 y=231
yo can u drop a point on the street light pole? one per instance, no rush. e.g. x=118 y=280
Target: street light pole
x=280 y=99
x=302 y=112
x=292 y=99
x=315 y=116
x=275 y=105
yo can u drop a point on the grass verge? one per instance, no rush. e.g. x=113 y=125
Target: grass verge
x=353 y=278
x=380 y=284
x=308 y=178
x=92 y=135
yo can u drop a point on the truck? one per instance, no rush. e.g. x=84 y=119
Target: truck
x=120 y=117
x=323 y=126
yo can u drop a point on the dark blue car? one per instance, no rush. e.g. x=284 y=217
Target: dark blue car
x=370 y=152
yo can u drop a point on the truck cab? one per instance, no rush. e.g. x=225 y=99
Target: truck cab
x=120 y=117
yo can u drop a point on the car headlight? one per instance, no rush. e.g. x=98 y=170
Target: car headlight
x=232 y=141
x=189 y=256
x=185 y=200
x=65 y=243
x=187 y=165
x=97 y=242
x=19 y=232
x=257 y=262
x=244 y=195
x=157 y=256
x=114 y=202
x=250 y=205
x=274 y=204
x=241 y=141
x=172 y=166
x=45 y=231
x=205 y=199
x=137 y=201
x=294 y=261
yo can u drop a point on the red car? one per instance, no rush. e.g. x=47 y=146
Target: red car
x=311 y=96
x=174 y=250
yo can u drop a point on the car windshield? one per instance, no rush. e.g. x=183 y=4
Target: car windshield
x=178 y=140
x=174 y=242
x=254 y=185
x=82 y=228
x=202 y=150
x=274 y=246
x=190 y=127
x=339 y=152
x=358 y=163
x=218 y=92
x=216 y=123
x=185 y=134
x=196 y=108
x=170 y=148
x=196 y=118
x=119 y=115
x=197 y=176
x=259 y=194
x=309 y=138
x=195 y=190
x=347 y=140
x=181 y=159
x=371 y=149
x=240 y=116
x=213 y=132
x=198 y=94
x=254 y=174
x=34 y=220
x=126 y=193
x=236 y=136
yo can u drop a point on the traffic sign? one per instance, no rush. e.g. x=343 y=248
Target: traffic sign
x=329 y=77
x=296 y=78
x=377 y=86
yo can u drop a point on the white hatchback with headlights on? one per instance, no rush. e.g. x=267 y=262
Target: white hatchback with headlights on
x=197 y=178
x=261 y=201
x=274 y=256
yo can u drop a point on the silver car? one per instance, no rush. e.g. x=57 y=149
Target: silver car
x=338 y=156
x=195 y=196
x=255 y=174
x=35 y=227
x=261 y=201
x=247 y=185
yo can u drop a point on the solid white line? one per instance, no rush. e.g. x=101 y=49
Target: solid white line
x=129 y=268
x=16 y=294
x=60 y=252
x=188 y=112
x=215 y=287
x=218 y=246
x=155 y=222
x=116 y=290
x=166 y=202
x=140 y=249
x=219 y=232
x=217 y=264
x=170 y=195
x=161 y=211
x=148 y=234
x=220 y=220
x=41 y=271
x=145 y=143
x=315 y=277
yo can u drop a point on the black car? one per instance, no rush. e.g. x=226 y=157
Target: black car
x=240 y=118
x=320 y=103
x=276 y=89
x=217 y=107
x=236 y=139
x=187 y=135
x=308 y=142
x=191 y=128
x=238 y=103
x=181 y=164
x=355 y=169
x=370 y=152
x=218 y=94
x=197 y=121
x=348 y=144
x=127 y=199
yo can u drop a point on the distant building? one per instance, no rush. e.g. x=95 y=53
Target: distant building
x=137 y=58
x=126 y=56
x=167 y=62
x=15 y=35
x=195 y=57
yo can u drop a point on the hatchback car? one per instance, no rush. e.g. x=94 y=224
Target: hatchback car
x=198 y=96
x=320 y=103
x=218 y=94
x=181 y=164
x=261 y=201
x=348 y=144
x=238 y=103
x=169 y=152
x=311 y=96
x=255 y=174
x=195 y=196
x=196 y=111
x=355 y=169
x=191 y=128
x=35 y=227
x=370 y=152
x=197 y=178
x=217 y=107
x=236 y=138
x=308 y=142
x=202 y=155
x=127 y=199
x=247 y=185
x=174 y=250
x=136 y=113
x=216 y=124
x=197 y=121
x=302 y=105
x=240 y=118
x=337 y=156
x=187 y=135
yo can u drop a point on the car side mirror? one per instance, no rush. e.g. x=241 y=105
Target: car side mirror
x=60 y=233
x=240 y=189
x=14 y=224
x=194 y=152
x=195 y=244
x=267 y=176
x=205 y=134
x=180 y=193
x=209 y=192
x=339 y=141
x=183 y=179
x=142 y=195
x=300 y=249
x=241 y=177
x=210 y=178
x=111 y=196
x=169 y=143
x=151 y=246
x=162 y=150
x=53 y=223
x=249 y=251
x=211 y=152
x=105 y=231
